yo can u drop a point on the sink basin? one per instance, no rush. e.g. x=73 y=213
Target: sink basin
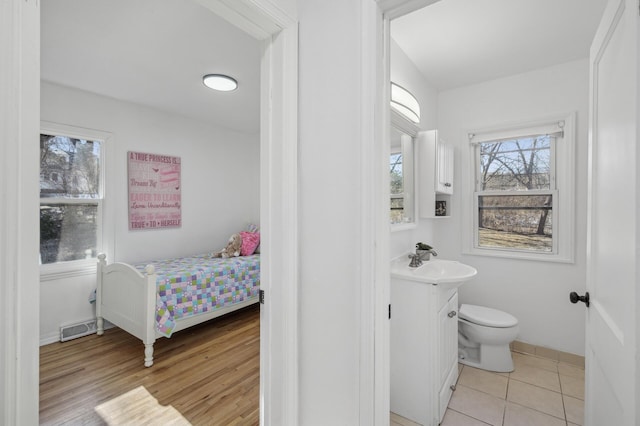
x=448 y=273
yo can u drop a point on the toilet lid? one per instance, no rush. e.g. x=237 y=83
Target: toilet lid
x=487 y=316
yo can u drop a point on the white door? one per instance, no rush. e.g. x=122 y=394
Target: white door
x=613 y=220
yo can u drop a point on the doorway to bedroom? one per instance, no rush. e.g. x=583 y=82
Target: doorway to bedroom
x=135 y=70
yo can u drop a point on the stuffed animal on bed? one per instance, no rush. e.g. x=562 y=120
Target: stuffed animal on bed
x=232 y=249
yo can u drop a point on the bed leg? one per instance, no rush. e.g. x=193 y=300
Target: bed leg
x=148 y=354
x=100 y=326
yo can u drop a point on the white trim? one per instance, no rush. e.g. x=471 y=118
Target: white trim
x=549 y=128
x=564 y=205
x=106 y=229
x=76 y=268
x=374 y=229
x=403 y=124
x=278 y=208
x=396 y=8
x=20 y=112
x=375 y=217
x=261 y=19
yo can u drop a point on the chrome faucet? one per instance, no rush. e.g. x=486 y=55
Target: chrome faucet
x=424 y=251
x=415 y=261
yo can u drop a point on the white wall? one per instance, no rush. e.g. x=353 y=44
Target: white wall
x=406 y=74
x=19 y=98
x=220 y=193
x=328 y=175
x=537 y=293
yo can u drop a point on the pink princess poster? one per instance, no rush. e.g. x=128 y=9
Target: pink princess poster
x=154 y=191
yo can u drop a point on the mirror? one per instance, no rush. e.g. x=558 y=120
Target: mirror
x=402 y=179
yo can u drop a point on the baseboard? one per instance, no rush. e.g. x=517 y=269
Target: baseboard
x=543 y=352
x=50 y=338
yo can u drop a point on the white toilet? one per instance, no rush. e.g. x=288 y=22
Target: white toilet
x=484 y=335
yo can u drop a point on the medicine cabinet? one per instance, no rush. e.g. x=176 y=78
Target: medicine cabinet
x=436 y=162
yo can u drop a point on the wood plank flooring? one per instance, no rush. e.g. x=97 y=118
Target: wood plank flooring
x=205 y=375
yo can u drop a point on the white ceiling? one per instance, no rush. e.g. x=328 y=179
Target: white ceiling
x=154 y=53
x=460 y=42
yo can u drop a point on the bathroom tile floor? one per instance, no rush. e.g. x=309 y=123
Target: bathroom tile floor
x=539 y=392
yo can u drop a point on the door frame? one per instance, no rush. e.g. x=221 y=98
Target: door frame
x=278 y=33
x=19 y=269
x=379 y=327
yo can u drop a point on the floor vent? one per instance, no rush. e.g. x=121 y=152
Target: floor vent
x=73 y=331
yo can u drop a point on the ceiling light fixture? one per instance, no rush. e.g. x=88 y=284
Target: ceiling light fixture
x=405 y=103
x=220 y=82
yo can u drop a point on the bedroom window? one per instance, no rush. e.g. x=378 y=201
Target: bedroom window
x=523 y=181
x=71 y=198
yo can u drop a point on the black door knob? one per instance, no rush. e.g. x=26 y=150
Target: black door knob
x=574 y=298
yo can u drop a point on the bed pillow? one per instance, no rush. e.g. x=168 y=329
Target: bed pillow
x=250 y=241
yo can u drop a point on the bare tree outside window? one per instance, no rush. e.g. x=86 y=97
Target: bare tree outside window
x=515 y=194
x=396 y=178
x=69 y=198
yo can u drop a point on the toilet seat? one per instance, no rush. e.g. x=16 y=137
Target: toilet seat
x=488 y=317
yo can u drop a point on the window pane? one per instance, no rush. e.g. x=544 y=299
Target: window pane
x=395 y=170
x=520 y=222
x=67 y=232
x=69 y=167
x=397 y=210
x=519 y=164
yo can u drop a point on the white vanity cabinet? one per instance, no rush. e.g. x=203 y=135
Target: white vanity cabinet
x=424 y=349
x=435 y=175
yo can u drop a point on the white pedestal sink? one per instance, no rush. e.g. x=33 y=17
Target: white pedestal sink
x=448 y=273
x=424 y=336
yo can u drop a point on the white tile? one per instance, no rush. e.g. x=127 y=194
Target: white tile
x=517 y=415
x=534 y=361
x=574 y=409
x=536 y=397
x=479 y=405
x=401 y=421
x=570 y=370
x=572 y=386
x=568 y=358
x=484 y=381
x=537 y=376
x=453 y=418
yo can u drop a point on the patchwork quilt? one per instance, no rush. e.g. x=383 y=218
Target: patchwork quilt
x=197 y=284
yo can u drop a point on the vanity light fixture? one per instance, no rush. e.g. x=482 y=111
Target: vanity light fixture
x=220 y=82
x=405 y=103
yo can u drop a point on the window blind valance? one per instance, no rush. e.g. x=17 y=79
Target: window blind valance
x=555 y=129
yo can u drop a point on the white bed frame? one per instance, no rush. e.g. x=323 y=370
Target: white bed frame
x=127 y=299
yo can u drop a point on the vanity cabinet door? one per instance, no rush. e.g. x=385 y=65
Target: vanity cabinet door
x=448 y=353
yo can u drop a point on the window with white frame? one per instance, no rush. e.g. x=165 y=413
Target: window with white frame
x=71 y=197
x=396 y=180
x=523 y=191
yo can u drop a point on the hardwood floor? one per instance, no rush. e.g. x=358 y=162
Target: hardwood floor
x=205 y=375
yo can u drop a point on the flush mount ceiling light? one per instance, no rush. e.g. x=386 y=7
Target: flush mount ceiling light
x=220 y=82
x=405 y=103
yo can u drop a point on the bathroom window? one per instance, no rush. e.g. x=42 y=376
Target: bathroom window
x=523 y=181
